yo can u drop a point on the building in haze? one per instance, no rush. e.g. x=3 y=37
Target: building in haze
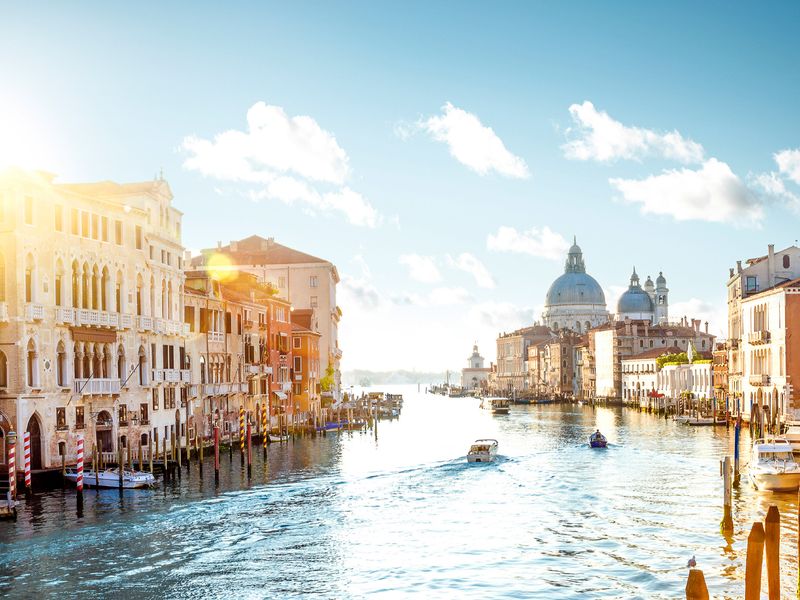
x=475 y=375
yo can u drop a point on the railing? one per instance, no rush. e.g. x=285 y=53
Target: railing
x=156 y=375
x=759 y=379
x=65 y=315
x=172 y=375
x=761 y=336
x=34 y=312
x=3 y=312
x=259 y=370
x=185 y=329
x=88 y=387
x=144 y=323
x=186 y=375
x=298 y=377
x=125 y=321
x=286 y=387
x=216 y=336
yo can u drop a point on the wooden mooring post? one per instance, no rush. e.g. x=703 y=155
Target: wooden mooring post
x=216 y=455
x=772 y=533
x=727 y=517
x=736 y=433
x=249 y=451
x=696 y=588
x=754 y=561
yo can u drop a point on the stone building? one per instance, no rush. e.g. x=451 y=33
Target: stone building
x=552 y=365
x=301 y=279
x=719 y=368
x=475 y=375
x=91 y=304
x=640 y=376
x=512 y=356
x=306 y=364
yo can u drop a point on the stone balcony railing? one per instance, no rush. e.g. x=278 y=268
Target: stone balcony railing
x=172 y=375
x=298 y=377
x=34 y=312
x=759 y=379
x=760 y=336
x=216 y=336
x=186 y=375
x=3 y=312
x=259 y=370
x=144 y=323
x=95 y=386
x=286 y=386
x=157 y=375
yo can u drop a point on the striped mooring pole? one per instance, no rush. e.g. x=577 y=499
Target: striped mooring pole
x=79 y=480
x=241 y=429
x=264 y=424
x=26 y=452
x=12 y=470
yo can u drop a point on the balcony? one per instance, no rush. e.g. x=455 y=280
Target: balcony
x=125 y=321
x=144 y=323
x=3 y=312
x=216 y=336
x=286 y=387
x=34 y=312
x=172 y=375
x=95 y=318
x=758 y=337
x=759 y=379
x=157 y=375
x=259 y=369
x=65 y=316
x=184 y=329
x=298 y=377
x=96 y=387
x=186 y=375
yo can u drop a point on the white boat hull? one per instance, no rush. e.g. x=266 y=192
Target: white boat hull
x=504 y=410
x=480 y=457
x=776 y=482
x=482 y=451
x=110 y=479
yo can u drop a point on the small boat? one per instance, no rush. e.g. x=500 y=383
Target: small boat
x=701 y=420
x=597 y=440
x=482 y=451
x=109 y=478
x=772 y=467
x=498 y=405
x=273 y=437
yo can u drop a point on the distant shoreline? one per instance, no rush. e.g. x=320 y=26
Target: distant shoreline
x=367 y=378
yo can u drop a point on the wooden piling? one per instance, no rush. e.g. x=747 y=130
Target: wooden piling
x=216 y=455
x=166 y=470
x=772 y=535
x=141 y=457
x=736 y=433
x=755 y=559
x=64 y=468
x=696 y=588
x=150 y=441
x=249 y=452
x=120 y=464
x=727 y=516
x=130 y=456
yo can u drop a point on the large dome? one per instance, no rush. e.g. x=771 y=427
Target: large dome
x=575 y=288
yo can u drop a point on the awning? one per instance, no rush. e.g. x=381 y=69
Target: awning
x=280 y=395
x=86 y=334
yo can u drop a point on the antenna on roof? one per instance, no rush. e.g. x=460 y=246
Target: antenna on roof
x=161 y=174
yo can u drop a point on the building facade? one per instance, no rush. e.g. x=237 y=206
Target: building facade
x=475 y=376
x=512 y=356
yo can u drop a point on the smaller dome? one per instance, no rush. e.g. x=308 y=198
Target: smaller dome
x=661 y=280
x=635 y=300
x=648 y=285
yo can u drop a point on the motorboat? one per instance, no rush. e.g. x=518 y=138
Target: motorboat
x=772 y=466
x=597 y=440
x=273 y=437
x=482 y=451
x=701 y=420
x=496 y=404
x=792 y=435
x=109 y=478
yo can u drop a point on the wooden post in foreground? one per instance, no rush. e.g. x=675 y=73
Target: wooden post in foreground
x=150 y=441
x=216 y=455
x=772 y=532
x=696 y=586
x=249 y=451
x=755 y=558
x=120 y=463
x=727 y=517
x=798 y=543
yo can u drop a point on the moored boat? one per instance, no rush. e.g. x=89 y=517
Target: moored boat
x=792 y=436
x=772 y=466
x=597 y=440
x=496 y=404
x=484 y=450
x=109 y=478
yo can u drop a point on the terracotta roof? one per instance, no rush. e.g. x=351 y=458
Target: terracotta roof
x=302 y=316
x=300 y=329
x=651 y=353
x=256 y=250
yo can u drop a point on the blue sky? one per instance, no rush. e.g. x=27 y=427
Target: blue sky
x=684 y=179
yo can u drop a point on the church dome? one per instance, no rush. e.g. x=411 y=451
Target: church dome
x=635 y=300
x=661 y=280
x=575 y=288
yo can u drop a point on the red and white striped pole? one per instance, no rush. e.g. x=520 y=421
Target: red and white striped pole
x=12 y=469
x=79 y=480
x=26 y=450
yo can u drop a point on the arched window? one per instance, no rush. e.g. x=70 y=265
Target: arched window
x=202 y=369
x=164 y=299
x=76 y=285
x=785 y=261
x=86 y=283
x=3 y=370
x=32 y=364
x=77 y=361
x=96 y=288
x=30 y=279
x=61 y=365
x=60 y=289
x=142 y=366
x=152 y=296
x=139 y=285
x=121 y=363
x=105 y=289
x=118 y=293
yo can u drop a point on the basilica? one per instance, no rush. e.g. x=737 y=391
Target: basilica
x=575 y=300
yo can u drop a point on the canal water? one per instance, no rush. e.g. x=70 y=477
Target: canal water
x=352 y=516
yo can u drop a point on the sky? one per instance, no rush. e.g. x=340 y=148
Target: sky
x=442 y=155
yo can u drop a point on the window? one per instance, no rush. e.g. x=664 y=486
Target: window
x=751 y=283
x=298 y=364
x=314 y=302
x=74 y=222
x=143 y=416
x=785 y=261
x=297 y=343
x=28 y=210
x=104 y=229
x=118 y=232
x=313 y=281
x=79 y=423
x=123 y=414
x=3 y=370
x=152 y=252
x=298 y=388
x=95 y=227
x=281 y=282
x=138 y=237
x=85 y=224
x=163 y=256
x=61 y=418
x=59 y=217
x=155 y=398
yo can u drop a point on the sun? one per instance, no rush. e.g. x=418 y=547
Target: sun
x=26 y=138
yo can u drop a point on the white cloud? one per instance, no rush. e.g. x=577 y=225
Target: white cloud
x=694 y=308
x=288 y=158
x=773 y=185
x=359 y=292
x=470 y=264
x=612 y=294
x=448 y=296
x=711 y=193
x=470 y=142
x=789 y=164
x=542 y=242
x=421 y=268
x=602 y=138
x=503 y=316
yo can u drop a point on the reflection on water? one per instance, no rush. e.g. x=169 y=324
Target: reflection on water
x=351 y=516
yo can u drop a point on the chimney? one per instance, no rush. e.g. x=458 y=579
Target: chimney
x=730 y=273
x=738 y=266
x=706 y=326
x=771 y=264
